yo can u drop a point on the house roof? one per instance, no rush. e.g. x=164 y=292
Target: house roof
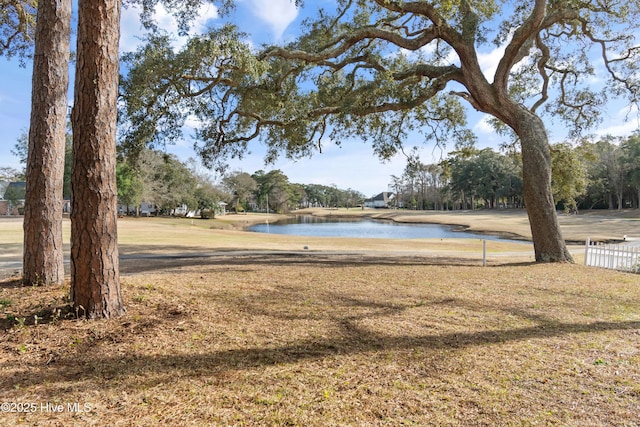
x=18 y=188
x=385 y=196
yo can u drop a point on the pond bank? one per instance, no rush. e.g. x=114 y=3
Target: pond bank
x=604 y=226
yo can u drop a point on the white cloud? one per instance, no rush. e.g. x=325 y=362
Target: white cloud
x=625 y=122
x=489 y=62
x=131 y=29
x=192 y=122
x=483 y=126
x=278 y=14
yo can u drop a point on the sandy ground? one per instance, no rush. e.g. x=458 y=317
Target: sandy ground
x=599 y=225
x=167 y=241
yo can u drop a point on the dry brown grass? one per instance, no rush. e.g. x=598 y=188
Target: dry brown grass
x=333 y=340
x=346 y=333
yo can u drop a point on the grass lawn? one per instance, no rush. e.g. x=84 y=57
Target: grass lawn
x=363 y=338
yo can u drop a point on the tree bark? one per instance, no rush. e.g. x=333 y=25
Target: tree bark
x=620 y=200
x=43 y=259
x=548 y=243
x=95 y=281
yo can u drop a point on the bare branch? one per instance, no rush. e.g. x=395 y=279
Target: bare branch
x=518 y=46
x=544 y=59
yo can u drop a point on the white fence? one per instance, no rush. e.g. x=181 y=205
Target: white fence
x=616 y=257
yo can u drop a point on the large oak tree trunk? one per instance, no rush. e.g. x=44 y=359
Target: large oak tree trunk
x=548 y=243
x=43 y=260
x=95 y=281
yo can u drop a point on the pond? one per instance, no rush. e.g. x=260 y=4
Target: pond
x=306 y=225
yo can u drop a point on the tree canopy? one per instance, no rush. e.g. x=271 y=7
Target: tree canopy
x=381 y=70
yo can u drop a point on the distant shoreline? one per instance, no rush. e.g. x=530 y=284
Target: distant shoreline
x=600 y=225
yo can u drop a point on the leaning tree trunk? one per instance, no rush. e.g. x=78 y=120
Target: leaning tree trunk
x=95 y=281
x=548 y=243
x=43 y=261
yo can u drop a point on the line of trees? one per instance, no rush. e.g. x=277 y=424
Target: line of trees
x=171 y=185
x=602 y=174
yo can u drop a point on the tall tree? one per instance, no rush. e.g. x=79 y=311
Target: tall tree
x=208 y=198
x=95 y=279
x=273 y=190
x=631 y=150
x=43 y=252
x=569 y=175
x=612 y=168
x=242 y=186
x=168 y=182
x=382 y=68
x=130 y=186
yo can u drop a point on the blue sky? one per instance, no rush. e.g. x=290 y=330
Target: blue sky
x=352 y=165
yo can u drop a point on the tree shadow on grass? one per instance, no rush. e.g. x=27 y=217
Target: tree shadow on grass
x=136 y=263
x=40 y=316
x=350 y=340
x=11 y=283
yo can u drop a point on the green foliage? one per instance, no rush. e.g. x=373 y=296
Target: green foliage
x=17 y=28
x=161 y=179
x=591 y=174
x=168 y=182
x=14 y=192
x=631 y=156
x=609 y=170
x=274 y=192
x=483 y=176
x=129 y=183
x=380 y=71
x=313 y=195
x=569 y=176
x=242 y=186
x=21 y=148
x=162 y=88
x=208 y=198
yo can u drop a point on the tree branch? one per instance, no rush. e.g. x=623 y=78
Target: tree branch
x=518 y=47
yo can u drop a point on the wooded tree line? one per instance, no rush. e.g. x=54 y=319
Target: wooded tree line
x=165 y=181
x=603 y=174
x=168 y=183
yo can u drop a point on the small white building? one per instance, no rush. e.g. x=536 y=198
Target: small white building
x=382 y=200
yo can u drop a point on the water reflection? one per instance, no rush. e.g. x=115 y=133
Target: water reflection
x=307 y=225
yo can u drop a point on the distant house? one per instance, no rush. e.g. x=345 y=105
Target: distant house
x=13 y=198
x=15 y=191
x=144 y=209
x=3 y=187
x=13 y=194
x=382 y=200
